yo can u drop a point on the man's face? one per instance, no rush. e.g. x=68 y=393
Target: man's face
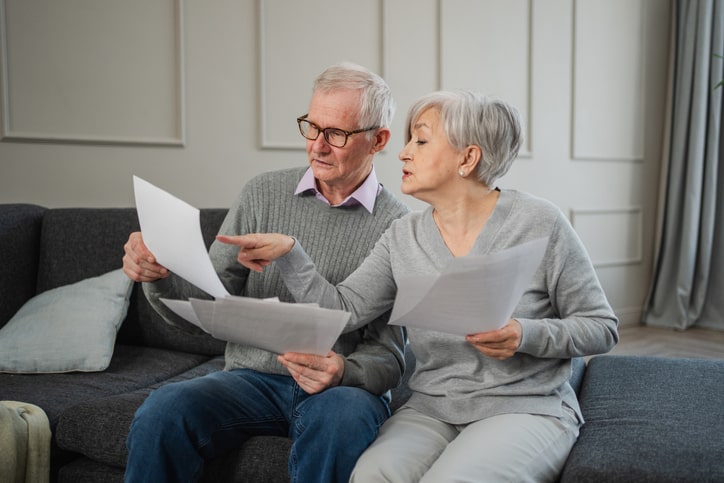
x=339 y=171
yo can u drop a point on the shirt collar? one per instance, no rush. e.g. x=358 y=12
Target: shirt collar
x=365 y=194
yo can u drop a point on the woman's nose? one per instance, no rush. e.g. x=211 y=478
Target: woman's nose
x=403 y=156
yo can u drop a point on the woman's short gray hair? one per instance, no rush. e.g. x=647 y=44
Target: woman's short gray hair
x=469 y=118
x=376 y=103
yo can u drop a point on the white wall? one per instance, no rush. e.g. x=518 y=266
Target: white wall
x=198 y=96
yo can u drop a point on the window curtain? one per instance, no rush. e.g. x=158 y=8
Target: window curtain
x=688 y=281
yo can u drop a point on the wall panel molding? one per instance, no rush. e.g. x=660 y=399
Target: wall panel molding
x=629 y=316
x=491 y=54
x=607 y=111
x=133 y=93
x=289 y=57
x=612 y=236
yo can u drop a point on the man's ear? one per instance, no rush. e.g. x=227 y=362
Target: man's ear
x=382 y=137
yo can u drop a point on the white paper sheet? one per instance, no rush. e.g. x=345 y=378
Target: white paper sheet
x=276 y=326
x=172 y=231
x=473 y=294
x=271 y=325
x=183 y=309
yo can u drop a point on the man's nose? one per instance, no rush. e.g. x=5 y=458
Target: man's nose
x=320 y=144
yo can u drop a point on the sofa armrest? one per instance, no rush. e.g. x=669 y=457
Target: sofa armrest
x=649 y=419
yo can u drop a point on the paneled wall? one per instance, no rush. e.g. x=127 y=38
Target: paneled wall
x=197 y=97
x=94 y=72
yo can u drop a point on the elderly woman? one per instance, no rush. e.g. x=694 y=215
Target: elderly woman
x=492 y=406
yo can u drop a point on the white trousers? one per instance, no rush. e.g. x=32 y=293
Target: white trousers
x=412 y=447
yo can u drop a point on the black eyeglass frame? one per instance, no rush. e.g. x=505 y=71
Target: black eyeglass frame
x=324 y=131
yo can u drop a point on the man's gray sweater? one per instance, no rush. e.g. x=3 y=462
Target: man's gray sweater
x=338 y=240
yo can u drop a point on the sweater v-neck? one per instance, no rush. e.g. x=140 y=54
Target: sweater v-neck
x=484 y=240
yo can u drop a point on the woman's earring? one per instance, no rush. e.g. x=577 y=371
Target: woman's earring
x=462 y=173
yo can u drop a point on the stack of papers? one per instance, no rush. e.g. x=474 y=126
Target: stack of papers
x=172 y=232
x=267 y=324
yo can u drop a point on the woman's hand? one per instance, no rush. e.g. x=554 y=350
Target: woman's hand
x=258 y=250
x=499 y=344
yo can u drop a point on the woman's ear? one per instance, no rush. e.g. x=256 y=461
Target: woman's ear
x=471 y=157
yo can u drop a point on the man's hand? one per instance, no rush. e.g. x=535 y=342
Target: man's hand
x=314 y=373
x=139 y=264
x=258 y=250
x=499 y=344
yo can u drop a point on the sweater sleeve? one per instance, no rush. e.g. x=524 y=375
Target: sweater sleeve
x=582 y=322
x=378 y=361
x=367 y=293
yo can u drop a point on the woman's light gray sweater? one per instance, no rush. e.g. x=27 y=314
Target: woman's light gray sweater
x=564 y=312
x=338 y=239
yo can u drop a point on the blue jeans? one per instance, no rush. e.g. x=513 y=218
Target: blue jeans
x=182 y=424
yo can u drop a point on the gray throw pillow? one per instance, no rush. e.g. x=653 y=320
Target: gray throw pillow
x=69 y=328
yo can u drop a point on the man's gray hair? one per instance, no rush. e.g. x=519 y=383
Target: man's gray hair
x=376 y=103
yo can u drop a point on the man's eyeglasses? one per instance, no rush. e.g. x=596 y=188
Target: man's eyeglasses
x=334 y=136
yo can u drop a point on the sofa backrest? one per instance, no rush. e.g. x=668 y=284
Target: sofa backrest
x=19 y=250
x=78 y=243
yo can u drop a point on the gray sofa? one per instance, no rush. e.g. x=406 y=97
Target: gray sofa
x=648 y=419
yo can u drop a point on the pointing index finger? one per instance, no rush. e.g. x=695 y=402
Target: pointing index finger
x=238 y=240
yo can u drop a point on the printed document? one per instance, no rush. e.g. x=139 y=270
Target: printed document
x=172 y=232
x=473 y=294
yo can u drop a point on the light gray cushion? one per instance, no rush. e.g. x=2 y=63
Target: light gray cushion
x=69 y=328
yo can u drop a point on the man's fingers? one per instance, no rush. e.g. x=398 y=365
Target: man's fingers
x=139 y=264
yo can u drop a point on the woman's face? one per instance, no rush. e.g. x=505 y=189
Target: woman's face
x=431 y=163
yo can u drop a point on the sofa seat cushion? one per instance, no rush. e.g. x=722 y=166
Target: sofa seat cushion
x=98 y=428
x=650 y=419
x=131 y=368
x=262 y=458
x=84 y=470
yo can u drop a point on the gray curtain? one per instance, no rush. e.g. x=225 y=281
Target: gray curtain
x=688 y=281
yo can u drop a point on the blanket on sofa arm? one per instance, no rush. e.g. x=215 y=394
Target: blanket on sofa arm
x=24 y=443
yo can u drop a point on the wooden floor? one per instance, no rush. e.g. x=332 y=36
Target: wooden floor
x=654 y=341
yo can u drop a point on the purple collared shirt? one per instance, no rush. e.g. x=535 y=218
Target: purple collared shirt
x=365 y=195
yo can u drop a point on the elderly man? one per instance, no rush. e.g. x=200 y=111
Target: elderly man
x=331 y=406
